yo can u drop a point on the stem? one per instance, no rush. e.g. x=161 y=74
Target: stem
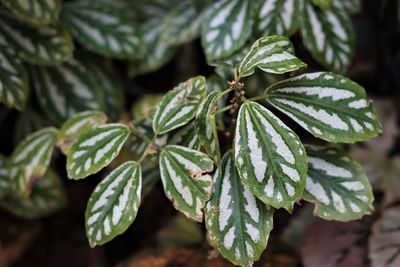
x=226 y=108
x=258 y=97
x=146 y=151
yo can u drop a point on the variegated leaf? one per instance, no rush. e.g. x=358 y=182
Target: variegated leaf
x=219 y=84
x=13 y=79
x=95 y=149
x=324 y=4
x=226 y=27
x=5 y=184
x=186 y=136
x=238 y=224
x=269 y=157
x=66 y=89
x=109 y=84
x=206 y=126
x=113 y=205
x=384 y=243
x=31 y=158
x=184 y=174
x=232 y=62
x=181 y=24
x=329 y=36
x=44 y=45
x=180 y=105
x=337 y=185
x=76 y=125
x=351 y=6
x=48 y=196
x=273 y=54
x=104 y=27
x=329 y=106
x=157 y=52
x=35 y=11
x=282 y=17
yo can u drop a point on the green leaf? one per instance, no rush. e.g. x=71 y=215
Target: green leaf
x=95 y=149
x=109 y=84
x=206 y=126
x=384 y=242
x=113 y=205
x=238 y=224
x=269 y=157
x=145 y=106
x=179 y=105
x=35 y=11
x=219 y=84
x=329 y=106
x=226 y=28
x=104 y=27
x=5 y=185
x=337 y=185
x=273 y=54
x=282 y=17
x=324 y=4
x=181 y=25
x=13 y=79
x=184 y=174
x=42 y=45
x=350 y=6
x=186 y=136
x=76 y=125
x=157 y=51
x=48 y=196
x=66 y=89
x=232 y=62
x=329 y=36
x=31 y=158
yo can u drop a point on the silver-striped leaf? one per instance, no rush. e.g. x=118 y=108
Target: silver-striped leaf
x=337 y=185
x=351 y=6
x=96 y=149
x=384 y=242
x=206 y=126
x=13 y=79
x=179 y=105
x=5 y=184
x=182 y=24
x=104 y=27
x=66 y=89
x=273 y=54
x=44 y=45
x=324 y=4
x=269 y=157
x=281 y=17
x=226 y=27
x=329 y=106
x=110 y=85
x=35 y=11
x=31 y=158
x=184 y=174
x=114 y=203
x=157 y=51
x=329 y=36
x=219 y=84
x=76 y=126
x=48 y=196
x=186 y=136
x=238 y=224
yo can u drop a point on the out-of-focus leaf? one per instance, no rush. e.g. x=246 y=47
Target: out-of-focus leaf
x=336 y=244
x=384 y=243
